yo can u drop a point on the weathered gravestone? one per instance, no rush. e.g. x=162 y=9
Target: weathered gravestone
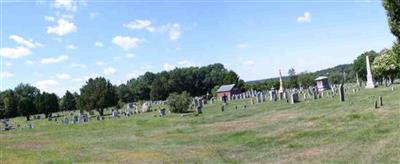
x=76 y=119
x=294 y=97
x=7 y=125
x=162 y=112
x=145 y=107
x=66 y=121
x=341 y=92
x=198 y=105
x=273 y=96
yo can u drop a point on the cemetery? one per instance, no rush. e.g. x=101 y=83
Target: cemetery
x=200 y=112
x=308 y=126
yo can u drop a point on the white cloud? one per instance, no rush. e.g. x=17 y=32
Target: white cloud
x=100 y=63
x=134 y=74
x=99 y=44
x=242 y=45
x=68 y=5
x=186 y=63
x=62 y=28
x=63 y=76
x=77 y=65
x=130 y=55
x=46 y=85
x=175 y=32
x=305 y=18
x=14 y=53
x=49 y=18
x=140 y=24
x=29 y=62
x=126 y=42
x=93 y=15
x=24 y=42
x=6 y=74
x=248 y=62
x=168 y=67
x=52 y=60
x=71 y=46
x=110 y=71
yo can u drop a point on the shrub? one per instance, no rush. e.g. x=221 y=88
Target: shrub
x=179 y=103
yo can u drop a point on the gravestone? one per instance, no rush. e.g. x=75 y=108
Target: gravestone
x=162 y=112
x=66 y=121
x=30 y=126
x=258 y=99
x=76 y=119
x=341 y=92
x=294 y=98
x=7 y=125
x=273 y=96
x=198 y=105
x=145 y=107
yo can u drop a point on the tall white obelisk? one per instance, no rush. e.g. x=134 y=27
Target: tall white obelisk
x=370 y=80
x=280 y=83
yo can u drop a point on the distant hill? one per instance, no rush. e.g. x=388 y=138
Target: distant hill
x=326 y=72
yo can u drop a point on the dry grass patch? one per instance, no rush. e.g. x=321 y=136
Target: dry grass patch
x=29 y=145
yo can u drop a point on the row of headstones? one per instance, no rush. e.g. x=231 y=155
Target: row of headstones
x=7 y=125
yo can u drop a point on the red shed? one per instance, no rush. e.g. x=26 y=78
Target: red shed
x=226 y=90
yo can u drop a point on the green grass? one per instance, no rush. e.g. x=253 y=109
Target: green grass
x=324 y=130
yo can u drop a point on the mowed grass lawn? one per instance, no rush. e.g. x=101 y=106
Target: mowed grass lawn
x=325 y=130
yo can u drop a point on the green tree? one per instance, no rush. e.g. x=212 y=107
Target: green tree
x=98 y=94
x=214 y=90
x=125 y=94
x=306 y=79
x=292 y=82
x=47 y=103
x=359 y=64
x=393 y=12
x=179 y=103
x=68 y=102
x=9 y=104
x=26 y=107
x=335 y=78
x=27 y=93
x=387 y=65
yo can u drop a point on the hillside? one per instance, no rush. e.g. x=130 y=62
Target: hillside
x=324 y=130
x=326 y=72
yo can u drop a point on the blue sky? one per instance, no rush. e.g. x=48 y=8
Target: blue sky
x=57 y=45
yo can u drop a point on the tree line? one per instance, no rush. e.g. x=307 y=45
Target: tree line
x=98 y=93
x=385 y=65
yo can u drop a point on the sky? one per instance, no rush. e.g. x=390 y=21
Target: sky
x=58 y=45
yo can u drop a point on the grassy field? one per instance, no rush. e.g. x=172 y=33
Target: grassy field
x=324 y=130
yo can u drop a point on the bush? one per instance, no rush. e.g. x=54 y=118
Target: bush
x=179 y=103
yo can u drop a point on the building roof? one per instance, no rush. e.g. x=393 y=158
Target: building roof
x=321 y=78
x=226 y=88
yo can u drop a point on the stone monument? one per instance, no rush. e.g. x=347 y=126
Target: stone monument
x=281 y=89
x=370 y=80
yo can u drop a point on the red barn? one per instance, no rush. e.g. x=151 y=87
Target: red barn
x=226 y=90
